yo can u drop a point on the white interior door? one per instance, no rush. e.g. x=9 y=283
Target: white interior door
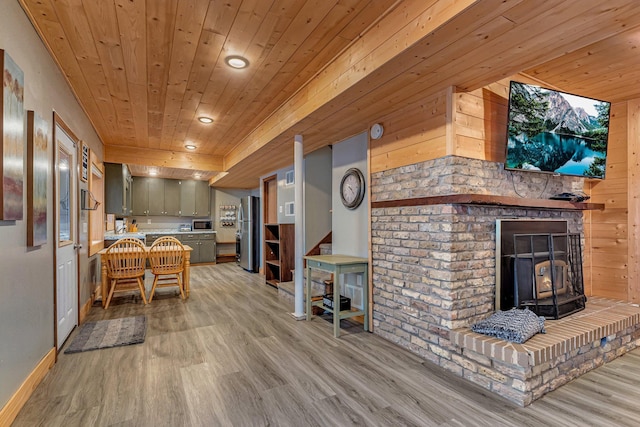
x=66 y=218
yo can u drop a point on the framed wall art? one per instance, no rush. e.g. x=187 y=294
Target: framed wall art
x=12 y=134
x=38 y=137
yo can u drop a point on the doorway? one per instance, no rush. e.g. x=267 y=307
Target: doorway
x=66 y=231
x=270 y=200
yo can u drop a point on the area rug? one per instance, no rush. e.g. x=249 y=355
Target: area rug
x=109 y=333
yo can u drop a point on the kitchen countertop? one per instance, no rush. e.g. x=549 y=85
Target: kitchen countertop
x=141 y=234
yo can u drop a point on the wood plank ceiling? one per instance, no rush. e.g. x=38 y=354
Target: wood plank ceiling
x=144 y=71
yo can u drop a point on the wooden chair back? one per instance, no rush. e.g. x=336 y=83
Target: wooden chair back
x=126 y=259
x=166 y=256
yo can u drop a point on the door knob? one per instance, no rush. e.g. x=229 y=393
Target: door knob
x=77 y=246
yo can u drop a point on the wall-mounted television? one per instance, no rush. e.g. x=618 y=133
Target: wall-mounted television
x=556 y=132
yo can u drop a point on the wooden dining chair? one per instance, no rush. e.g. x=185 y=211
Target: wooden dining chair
x=126 y=261
x=166 y=257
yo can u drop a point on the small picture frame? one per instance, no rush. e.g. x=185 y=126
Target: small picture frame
x=84 y=173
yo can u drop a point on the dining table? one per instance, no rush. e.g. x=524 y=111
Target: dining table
x=105 y=281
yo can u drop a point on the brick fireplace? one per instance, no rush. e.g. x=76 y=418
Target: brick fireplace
x=434 y=272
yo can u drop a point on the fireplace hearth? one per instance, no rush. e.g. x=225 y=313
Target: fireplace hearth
x=540 y=270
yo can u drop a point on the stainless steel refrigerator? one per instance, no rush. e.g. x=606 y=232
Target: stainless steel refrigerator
x=248 y=233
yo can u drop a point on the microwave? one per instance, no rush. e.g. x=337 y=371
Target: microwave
x=202 y=224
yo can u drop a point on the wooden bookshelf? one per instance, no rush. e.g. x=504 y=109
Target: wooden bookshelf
x=279 y=250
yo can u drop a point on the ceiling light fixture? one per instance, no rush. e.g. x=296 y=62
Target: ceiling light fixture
x=235 y=61
x=204 y=119
x=197 y=175
x=153 y=172
x=190 y=147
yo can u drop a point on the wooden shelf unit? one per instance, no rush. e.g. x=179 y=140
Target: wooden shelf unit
x=279 y=250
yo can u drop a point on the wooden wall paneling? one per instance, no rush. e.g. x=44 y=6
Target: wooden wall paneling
x=603 y=274
x=160 y=29
x=587 y=251
x=633 y=150
x=224 y=81
x=317 y=51
x=72 y=16
x=607 y=229
x=103 y=22
x=371 y=81
x=450 y=119
x=132 y=27
x=396 y=138
x=54 y=38
x=412 y=134
x=162 y=158
x=410 y=154
x=479 y=127
x=607 y=83
x=544 y=34
x=217 y=24
x=571 y=68
x=359 y=61
x=190 y=16
x=274 y=44
x=207 y=55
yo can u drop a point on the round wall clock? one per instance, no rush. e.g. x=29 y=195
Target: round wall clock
x=352 y=188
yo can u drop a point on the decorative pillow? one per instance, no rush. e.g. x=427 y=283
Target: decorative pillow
x=515 y=325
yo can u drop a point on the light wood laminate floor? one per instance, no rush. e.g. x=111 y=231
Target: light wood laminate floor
x=232 y=355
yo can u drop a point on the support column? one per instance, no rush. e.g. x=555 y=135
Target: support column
x=298 y=170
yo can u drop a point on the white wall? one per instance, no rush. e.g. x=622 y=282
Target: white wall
x=350 y=227
x=26 y=274
x=317 y=196
x=286 y=194
x=223 y=196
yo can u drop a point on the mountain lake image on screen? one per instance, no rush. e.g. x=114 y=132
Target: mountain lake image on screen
x=556 y=132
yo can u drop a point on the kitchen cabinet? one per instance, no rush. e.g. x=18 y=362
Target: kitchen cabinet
x=155 y=188
x=203 y=244
x=171 y=197
x=156 y=196
x=140 y=202
x=194 y=198
x=150 y=238
x=117 y=189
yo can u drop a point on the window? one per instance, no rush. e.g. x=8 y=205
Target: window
x=96 y=216
x=65 y=229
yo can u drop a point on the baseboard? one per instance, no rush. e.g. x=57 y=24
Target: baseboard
x=84 y=311
x=226 y=258
x=11 y=410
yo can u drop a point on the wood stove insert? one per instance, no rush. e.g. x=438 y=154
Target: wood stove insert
x=540 y=267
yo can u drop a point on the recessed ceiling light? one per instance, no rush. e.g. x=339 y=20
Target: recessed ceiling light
x=190 y=147
x=153 y=172
x=196 y=175
x=204 y=119
x=235 y=61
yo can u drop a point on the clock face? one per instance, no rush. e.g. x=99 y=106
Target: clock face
x=352 y=188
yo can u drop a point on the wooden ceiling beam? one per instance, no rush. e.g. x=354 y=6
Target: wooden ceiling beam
x=162 y=158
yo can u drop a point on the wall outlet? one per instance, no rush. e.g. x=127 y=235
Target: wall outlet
x=148 y=220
